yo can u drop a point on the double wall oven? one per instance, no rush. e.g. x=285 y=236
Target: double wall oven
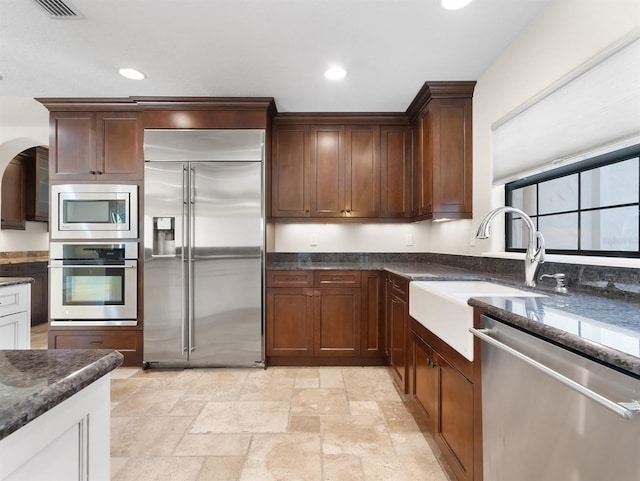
x=93 y=267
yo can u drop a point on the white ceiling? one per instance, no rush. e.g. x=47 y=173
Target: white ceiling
x=246 y=48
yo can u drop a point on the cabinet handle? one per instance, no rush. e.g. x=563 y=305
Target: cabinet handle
x=94 y=343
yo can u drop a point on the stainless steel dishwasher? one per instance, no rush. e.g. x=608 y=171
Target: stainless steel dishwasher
x=549 y=414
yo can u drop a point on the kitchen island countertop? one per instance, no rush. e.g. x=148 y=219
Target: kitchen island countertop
x=34 y=381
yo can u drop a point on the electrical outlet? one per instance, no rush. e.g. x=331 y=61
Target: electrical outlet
x=472 y=238
x=313 y=240
x=408 y=239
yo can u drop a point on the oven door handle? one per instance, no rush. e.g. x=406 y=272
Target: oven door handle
x=82 y=266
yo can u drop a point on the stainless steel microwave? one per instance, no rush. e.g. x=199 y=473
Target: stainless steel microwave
x=94 y=211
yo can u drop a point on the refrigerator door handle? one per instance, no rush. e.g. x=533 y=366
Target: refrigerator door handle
x=185 y=217
x=192 y=229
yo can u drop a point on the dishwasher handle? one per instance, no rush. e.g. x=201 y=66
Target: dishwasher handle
x=624 y=409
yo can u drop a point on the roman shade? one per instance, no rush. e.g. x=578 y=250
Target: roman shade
x=593 y=110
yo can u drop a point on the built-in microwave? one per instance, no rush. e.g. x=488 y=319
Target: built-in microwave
x=94 y=211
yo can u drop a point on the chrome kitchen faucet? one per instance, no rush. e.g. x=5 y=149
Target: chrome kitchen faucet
x=534 y=255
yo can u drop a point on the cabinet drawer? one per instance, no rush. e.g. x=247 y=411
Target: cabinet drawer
x=337 y=278
x=399 y=286
x=14 y=299
x=120 y=341
x=290 y=278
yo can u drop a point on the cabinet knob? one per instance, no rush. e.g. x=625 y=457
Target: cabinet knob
x=348 y=211
x=342 y=211
x=310 y=295
x=99 y=172
x=92 y=172
x=307 y=211
x=317 y=294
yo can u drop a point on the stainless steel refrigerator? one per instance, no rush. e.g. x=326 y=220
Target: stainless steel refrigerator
x=203 y=248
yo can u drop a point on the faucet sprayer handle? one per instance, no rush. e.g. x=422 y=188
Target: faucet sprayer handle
x=541 y=247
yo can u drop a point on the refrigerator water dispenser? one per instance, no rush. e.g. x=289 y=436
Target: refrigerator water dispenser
x=164 y=236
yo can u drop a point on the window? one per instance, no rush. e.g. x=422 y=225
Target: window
x=590 y=208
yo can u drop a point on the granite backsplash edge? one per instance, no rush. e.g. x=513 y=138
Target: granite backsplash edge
x=618 y=282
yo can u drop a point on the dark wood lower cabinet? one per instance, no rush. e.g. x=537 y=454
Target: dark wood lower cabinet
x=128 y=342
x=444 y=386
x=39 y=286
x=326 y=318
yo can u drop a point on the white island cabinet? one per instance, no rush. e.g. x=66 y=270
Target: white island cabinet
x=15 y=313
x=54 y=425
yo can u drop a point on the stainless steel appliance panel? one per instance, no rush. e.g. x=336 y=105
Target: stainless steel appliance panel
x=93 y=283
x=94 y=211
x=203 y=263
x=192 y=145
x=226 y=248
x=535 y=428
x=165 y=262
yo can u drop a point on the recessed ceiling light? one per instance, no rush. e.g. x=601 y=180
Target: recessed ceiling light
x=335 y=73
x=454 y=4
x=132 y=73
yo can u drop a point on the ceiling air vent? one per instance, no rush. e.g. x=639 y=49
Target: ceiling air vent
x=57 y=9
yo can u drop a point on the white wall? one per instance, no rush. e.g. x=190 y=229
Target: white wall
x=24 y=123
x=564 y=35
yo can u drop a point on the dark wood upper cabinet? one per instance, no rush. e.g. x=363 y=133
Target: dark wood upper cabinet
x=119 y=146
x=327 y=171
x=37 y=185
x=395 y=163
x=13 y=187
x=362 y=171
x=102 y=146
x=442 y=151
x=290 y=171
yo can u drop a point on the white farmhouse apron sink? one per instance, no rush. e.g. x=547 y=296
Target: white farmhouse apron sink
x=441 y=307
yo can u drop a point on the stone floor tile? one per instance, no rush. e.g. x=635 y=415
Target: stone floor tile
x=401 y=468
x=411 y=444
x=217 y=385
x=147 y=436
x=304 y=424
x=331 y=378
x=397 y=418
x=319 y=401
x=221 y=468
x=267 y=385
x=242 y=417
x=161 y=469
x=369 y=384
x=149 y=402
x=213 y=445
x=356 y=435
x=341 y=467
x=364 y=408
x=283 y=457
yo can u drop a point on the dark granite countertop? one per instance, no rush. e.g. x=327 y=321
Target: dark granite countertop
x=12 y=281
x=34 y=381
x=602 y=327
x=606 y=330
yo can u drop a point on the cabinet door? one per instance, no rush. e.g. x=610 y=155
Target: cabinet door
x=289 y=322
x=37 y=185
x=426 y=376
x=395 y=161
x=452 y=157
x=290 y=176
x=372 y=330
x=362 y=171
x=337 y=316
x=327 y=171
x=72 y=154
x=398 y=331
x=13 y=186
x=426 y=160
x=118 y=146
x=454 y=418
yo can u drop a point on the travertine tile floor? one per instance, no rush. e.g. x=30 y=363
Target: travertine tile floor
x=278 y=424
